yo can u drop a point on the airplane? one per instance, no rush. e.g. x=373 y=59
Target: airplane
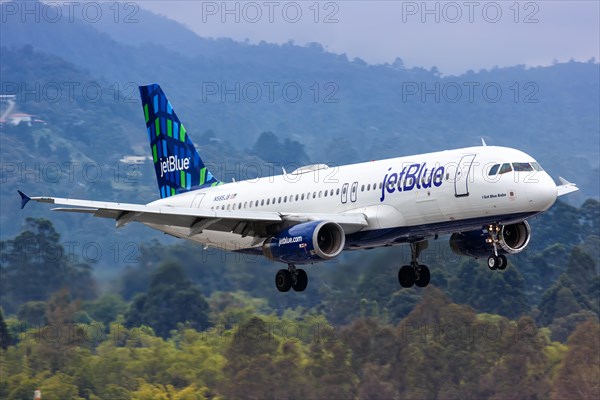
x=482 y=196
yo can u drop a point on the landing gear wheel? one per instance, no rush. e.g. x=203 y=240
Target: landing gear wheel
x=283 y=280
x=301 y=280
x=493 y=262
x=423 y=276
x=502 y=262
x=406 y=276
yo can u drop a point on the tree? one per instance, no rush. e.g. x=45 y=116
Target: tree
x=500 y=293
x=271 y=149
x=106 y=309
x=33 y=313
x=573 y=292
x=5 y=338
x=37 y=266
x=578 y=375
x=171 y=299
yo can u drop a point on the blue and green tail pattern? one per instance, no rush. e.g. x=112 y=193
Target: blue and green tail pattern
x=177 y=164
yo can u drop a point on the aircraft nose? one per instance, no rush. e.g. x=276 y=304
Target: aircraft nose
x=545 y=193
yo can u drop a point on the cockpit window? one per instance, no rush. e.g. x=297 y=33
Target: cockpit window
x=537 y=166
x=522 y=167
x=506 y=167
x=494 y=170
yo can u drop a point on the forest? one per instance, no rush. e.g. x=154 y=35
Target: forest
x=184 y=323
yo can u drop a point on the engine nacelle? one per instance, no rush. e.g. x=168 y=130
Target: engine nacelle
x=512 y=239
x=306 y=243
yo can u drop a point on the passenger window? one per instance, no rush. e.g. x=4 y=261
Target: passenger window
x=268 y=200
x=331 y=193
x=368 y=187
x=256 y=203
x=302 y=196
x=285 y=199
x=320 y=193
x=228 y=205
x=337 y=192
x=314 y=195
x=362 y=188
x=494 y=170
x=325 y=193
x=522 y=167
x=297 y=198
x=506 y=167
x=279 y=200
x=262 y=202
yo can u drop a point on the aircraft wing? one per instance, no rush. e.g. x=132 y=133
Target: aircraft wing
x=238 y=221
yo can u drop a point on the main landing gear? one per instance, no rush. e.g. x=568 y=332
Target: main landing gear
x=291 y=278
x=495 y=261
x=415 y=273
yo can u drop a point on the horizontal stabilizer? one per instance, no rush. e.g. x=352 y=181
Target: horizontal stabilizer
x=565 y=187
x=24 y=199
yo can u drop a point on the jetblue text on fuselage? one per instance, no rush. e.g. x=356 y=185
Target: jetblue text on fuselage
x=172 y=164
x=410 y=177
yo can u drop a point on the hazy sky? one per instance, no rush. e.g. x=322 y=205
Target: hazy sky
x=454 y=36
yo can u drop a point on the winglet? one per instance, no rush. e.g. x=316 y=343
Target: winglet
x=24 y=199
x=483 y=142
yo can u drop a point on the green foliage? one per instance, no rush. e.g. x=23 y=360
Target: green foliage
x=106 y=309
x=579 y=372
x=575 y=291
x=36 y=265
x=499 y=293
x=32 y=313
x=171 y=299
x=287 y=153
x=5 y=338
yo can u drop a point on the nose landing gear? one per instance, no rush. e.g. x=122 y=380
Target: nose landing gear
x=495 y=261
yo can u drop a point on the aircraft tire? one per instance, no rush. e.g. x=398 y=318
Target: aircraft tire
x=424 y=276
x=283 y=280
x=301 y=281
x=492 y=262
x=406 y=276
x=502 y=262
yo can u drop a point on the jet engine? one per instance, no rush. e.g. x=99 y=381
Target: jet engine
x=306 y=243
x=512 y=239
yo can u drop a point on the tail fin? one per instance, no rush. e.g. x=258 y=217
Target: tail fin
x=177 y=164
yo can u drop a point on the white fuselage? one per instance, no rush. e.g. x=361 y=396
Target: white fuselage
x=424 y=194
